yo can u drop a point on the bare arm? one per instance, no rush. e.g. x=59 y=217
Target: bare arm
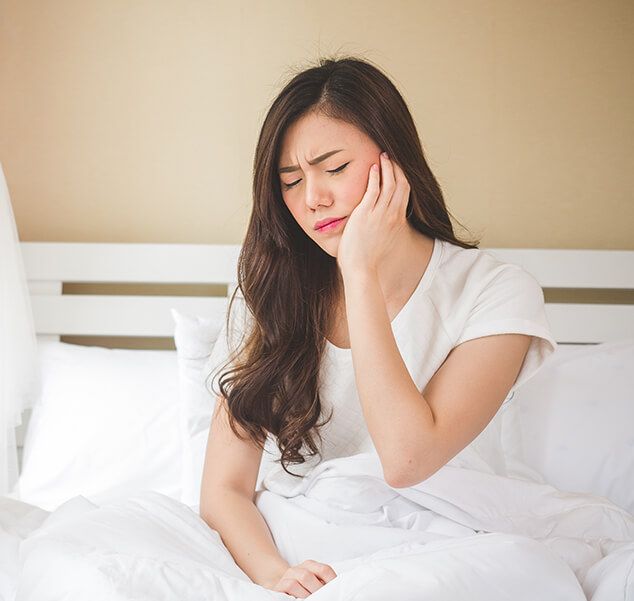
x=226 y=501
x=416 y=434
x=227 y=505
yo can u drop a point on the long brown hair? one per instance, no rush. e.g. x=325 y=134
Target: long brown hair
x=288 y=282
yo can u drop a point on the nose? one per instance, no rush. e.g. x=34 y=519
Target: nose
x=318 y=194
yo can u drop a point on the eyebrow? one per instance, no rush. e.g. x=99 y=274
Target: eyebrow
x=319 y=159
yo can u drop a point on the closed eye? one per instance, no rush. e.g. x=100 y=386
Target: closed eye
x=289 y=186
x=331 y=171
x=339 y=169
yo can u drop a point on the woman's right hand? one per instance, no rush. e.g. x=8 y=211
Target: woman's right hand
x=306 y=578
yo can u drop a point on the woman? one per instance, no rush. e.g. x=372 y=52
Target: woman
x=364 y=324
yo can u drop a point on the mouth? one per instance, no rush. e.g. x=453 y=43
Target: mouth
x=326 y=225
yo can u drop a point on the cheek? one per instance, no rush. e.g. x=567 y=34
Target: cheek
x=356 y=187
x=294 y=209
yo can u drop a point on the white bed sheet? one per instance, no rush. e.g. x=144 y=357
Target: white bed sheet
x=17 y=521
x=425 y=542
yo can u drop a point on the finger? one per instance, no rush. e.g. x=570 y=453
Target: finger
x=309 y=580
x=292 y=587
x=323 y=571
x=388 y=183
x=400 y=197
x=400 y=177
x=372 y=192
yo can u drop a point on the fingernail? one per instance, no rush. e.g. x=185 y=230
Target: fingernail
x=375 y=167
x=385 y=155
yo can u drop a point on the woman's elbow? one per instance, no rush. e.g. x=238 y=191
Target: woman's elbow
x=401 y=479
x=407 y=472
x=206 y=511
x=212 y=503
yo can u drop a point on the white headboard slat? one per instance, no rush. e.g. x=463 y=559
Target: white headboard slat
x=49 y=263
x=118 y=262
x=589 y=323
x=563 y=268
x=77 y=315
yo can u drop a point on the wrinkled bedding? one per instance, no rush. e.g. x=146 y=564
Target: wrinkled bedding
x=461 y=534
x=17 y=521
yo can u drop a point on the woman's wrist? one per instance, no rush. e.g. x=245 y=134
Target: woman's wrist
x=270 y=571
x=361 y=285
x=359 y=275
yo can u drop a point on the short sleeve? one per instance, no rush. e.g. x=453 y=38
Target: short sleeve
x=228 y=344
x=511 y=301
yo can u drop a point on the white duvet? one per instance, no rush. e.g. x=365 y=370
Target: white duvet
x=461 y=534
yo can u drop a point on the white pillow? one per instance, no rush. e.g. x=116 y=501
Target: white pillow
x=105 y=426
x=195 y=338
x=577 y=419
x=203 y=348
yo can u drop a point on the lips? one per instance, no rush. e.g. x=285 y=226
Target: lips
x=326 y=224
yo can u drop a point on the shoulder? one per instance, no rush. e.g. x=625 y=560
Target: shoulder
x=473 y=264
x=465 y=274
x=476 y=294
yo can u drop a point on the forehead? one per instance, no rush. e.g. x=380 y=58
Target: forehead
x=315 y=133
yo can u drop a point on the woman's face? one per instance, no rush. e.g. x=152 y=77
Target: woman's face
x=324 y=168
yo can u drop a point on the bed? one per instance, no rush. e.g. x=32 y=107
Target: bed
x=111 y=424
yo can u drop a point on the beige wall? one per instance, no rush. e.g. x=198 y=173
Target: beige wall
x=135 y=120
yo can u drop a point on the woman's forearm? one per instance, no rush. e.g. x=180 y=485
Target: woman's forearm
x=398 y=417
x=417 y=432
x=245 y=534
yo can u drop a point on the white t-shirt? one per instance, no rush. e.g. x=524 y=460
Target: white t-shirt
x=463 y=294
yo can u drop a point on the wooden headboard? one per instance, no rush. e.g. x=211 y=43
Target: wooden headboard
x=51 y=267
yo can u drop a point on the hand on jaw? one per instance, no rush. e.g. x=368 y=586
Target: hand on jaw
x=376 y=223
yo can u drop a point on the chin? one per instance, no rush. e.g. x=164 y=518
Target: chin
x=329 y=249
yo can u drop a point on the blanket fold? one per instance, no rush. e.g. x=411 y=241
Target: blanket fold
x=460 y=534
